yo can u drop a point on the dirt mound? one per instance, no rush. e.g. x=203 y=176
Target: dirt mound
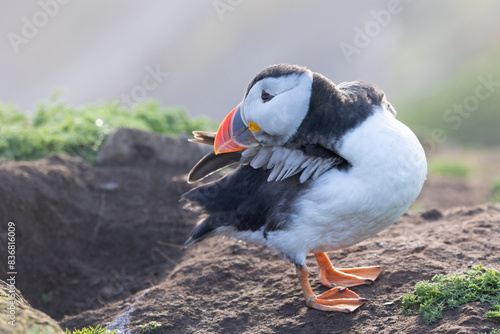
x=90 y=235
x=228 y=287
x=20 y=317
x=101 y=245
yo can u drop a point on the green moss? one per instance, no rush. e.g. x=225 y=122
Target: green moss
x=150 y=327
x=451 y=291
x=91 y=330
x=495 y=312
x=58 y=128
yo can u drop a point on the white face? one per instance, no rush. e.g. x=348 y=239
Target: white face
x=279 y=114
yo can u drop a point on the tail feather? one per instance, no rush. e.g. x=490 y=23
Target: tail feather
x=206 y=229
x=203 y=137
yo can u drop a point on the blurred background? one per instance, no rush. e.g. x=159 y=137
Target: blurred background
x=438 y=62
x=72 y=72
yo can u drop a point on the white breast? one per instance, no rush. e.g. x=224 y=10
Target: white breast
x=343 y=208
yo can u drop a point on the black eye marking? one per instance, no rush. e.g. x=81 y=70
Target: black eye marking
x=266 y=96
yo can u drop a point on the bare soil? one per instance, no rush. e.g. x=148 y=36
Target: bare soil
x=101 y=245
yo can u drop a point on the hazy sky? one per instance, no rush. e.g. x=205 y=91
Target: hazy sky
x=202 y=54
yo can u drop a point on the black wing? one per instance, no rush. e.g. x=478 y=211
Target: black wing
x=244 y=200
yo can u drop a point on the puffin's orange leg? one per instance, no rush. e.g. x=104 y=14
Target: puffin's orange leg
x=348 y=277
x=335 y=299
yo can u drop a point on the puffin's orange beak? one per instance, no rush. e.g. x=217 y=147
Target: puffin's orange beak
x=233 y=135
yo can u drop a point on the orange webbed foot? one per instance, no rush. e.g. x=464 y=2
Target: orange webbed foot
x=344 y=277
x=336 y=299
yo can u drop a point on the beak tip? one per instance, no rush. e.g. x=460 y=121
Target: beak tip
x=233 y=135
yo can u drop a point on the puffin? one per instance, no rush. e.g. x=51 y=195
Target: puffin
x=317 y=167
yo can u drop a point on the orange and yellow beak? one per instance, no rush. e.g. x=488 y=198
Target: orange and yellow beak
x=233 y=135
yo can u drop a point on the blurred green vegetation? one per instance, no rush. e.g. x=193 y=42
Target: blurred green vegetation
x=464 y=107
x=495 y=191
x=58 y=128
x=448 y=168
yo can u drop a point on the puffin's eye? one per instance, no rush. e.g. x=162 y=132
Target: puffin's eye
x=266 y=96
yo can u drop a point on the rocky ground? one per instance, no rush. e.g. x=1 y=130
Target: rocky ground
x=101 y=245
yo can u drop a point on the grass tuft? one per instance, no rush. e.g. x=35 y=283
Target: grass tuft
x=451 y=291
x=91 y=330
x=149 y=327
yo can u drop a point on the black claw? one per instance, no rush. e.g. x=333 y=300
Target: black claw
x=369 y=281
x=333 y=285
x=363 y=300
x=346 y=310
x=342 y=290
